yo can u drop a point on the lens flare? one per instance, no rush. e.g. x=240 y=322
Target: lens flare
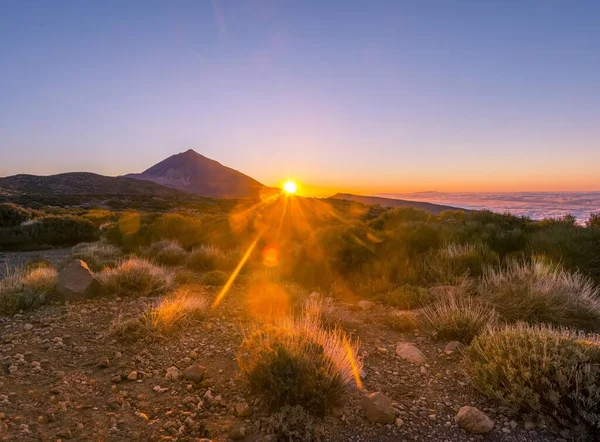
x=290 y=187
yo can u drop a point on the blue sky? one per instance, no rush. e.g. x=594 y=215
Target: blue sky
x=370 y=96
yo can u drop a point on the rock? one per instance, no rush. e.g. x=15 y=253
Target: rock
x=399 y=422
x=28 y=327
x=238 y=433
x=378 y=408
x=173 y=373
x=65 y=432
x=103 y=363
x=410 y=353
x=365 y=305
x=132 y=376
x=159 y=389
x=195 y=373
x=76 y=282
x=116 y=379
x=473 y=420
x=451 y=347
x=242 y=409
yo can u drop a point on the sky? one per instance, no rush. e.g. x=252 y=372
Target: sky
x=353 y=96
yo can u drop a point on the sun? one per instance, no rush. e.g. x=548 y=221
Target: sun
x=290 y=187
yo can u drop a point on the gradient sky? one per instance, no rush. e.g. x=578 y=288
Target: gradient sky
x=369 y=96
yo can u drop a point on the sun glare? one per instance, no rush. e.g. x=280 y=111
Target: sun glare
x=290 y=187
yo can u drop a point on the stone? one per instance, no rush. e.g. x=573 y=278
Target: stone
x=365 y=305
x=28 y=327
x=410 y=353
x=238 y=433
x=65 y=432
x=76 y=282
x=451 y=347
x=132 y=376
x=116 y=379
x=474 y=420
x=378 y=408
x=242 y=409
x=194 y=373
x=173 y=373
x=103 y=363
x=399 y=422
x=159 y=389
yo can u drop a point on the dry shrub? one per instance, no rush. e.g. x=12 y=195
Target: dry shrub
x=211 y=258
x=25 y=289
x=214 y=278
x=458 y=318
x=402 y=321
x=296 y=424
x=167 y=252
x=540 y=370
x=297 y=362
x=539 y=292
x=96 y=255
x=172 y=314
x=406 y=297
x=452 y=263
x=136 y=277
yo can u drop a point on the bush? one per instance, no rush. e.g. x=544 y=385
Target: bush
x=406 y=297
x=136 y=277
x=540 y=370
x=96 y=255
x=12 y=215
x=458 y=318
x=539 y=292
x=401 y=321
x=210 y=258
x=167 y=252
x=170 y=315
x=215 y=278
x=26 y=289
x=593 y=220
x=186 y=230
x=457 y=261
x=296 y=362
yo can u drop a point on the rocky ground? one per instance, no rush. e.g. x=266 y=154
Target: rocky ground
x=63 y=377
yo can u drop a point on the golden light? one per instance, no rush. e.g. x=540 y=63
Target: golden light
x=290 y=187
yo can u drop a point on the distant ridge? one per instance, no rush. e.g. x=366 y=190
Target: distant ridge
x=79 y=183
x=194 y=173
x=392 y=202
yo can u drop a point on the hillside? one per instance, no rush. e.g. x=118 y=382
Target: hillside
x=194 y=173
x=391 y=202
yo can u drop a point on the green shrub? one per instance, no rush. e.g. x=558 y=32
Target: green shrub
x=26 y=289
x=593 y=220
x=12 y=215
x=186 y=230
x=539 y=292
x=406 y=297
x=167 y=252
x=540 y=370
x=458 y=318
x=210 y=258
x=214 y=278
x=296 y=362
x=136 y=277
x=96 y=255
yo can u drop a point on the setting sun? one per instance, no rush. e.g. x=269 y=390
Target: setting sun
x=290 y=187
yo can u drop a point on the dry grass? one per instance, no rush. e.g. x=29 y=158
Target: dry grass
x=540 y=370
x=297 y=362
x=406 y=297
x=136 y=277
x=540 y=292
x=167 y=252
x=25 y=289
x=211 y=258
x=172 y=314
x=96 y=255
x=455 y=262
x=402 y=321
x=458 y=318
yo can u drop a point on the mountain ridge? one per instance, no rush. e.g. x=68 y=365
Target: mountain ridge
x=392 y=202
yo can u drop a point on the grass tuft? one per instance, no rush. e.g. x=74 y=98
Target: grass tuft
x=136 y=277
x=25 y=289
x=96 y=255
x=167 y=252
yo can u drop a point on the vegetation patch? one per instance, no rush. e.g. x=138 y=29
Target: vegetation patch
x=540 y=292
x=25 y=289
x=136 y=277
x=540 y=370
x=296 y=362
x=167 y=252
x=97 y=255
x=210 y=258
x=406 y=297
x=458 y=318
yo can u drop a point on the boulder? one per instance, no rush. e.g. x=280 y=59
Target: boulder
x=410 y=353
x=76 y=282
x=378 y=408
x=195 y=373
x=474 y=420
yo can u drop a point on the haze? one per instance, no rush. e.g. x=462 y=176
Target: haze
x=360 y=97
